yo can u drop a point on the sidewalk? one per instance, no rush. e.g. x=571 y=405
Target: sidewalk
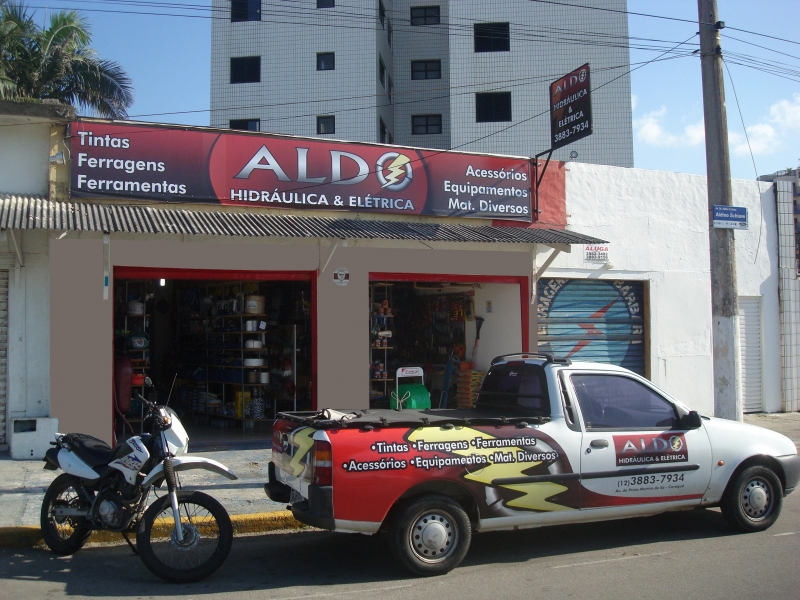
x=23 y=484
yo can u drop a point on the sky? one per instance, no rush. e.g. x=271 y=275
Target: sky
x=168 y=59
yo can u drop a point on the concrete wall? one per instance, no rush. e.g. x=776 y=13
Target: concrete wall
x=657 y=224
x=82 y=320
x=24 y=151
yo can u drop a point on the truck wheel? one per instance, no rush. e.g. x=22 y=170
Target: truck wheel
x=431 y=536
x=753 y=500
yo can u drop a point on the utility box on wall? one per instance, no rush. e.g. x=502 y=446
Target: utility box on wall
x=30 y=438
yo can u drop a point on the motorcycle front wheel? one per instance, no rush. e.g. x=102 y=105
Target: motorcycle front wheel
x=207 y=537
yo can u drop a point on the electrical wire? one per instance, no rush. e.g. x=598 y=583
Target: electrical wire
x=752 y=158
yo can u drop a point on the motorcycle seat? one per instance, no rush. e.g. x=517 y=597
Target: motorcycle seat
x=92 y=451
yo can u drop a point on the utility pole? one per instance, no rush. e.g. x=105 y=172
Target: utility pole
x=725 y=311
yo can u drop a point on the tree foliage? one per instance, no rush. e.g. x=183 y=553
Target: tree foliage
x=56 y=62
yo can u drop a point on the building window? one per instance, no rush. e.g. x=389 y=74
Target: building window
x=326 y=124
x=389 y=32
x=326 y=3
x=246 y=69
x=246 y=124
x=426 y=69
x=390 y=89
x=382 y=13
x=383 y=132
x=492 y=37
x=326 y=61
x=492 y=107
x=245 y=10
x=381 y=72
x=425 y=15
x=422 y=124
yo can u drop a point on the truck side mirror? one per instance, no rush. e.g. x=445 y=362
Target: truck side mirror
x=690 y=421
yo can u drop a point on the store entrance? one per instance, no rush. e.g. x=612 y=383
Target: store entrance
x=434 y=325
x=227 y=353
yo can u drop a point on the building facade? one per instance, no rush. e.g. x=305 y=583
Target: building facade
x=467 y=74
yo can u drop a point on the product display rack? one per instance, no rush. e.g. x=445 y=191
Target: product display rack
x=381 y=320
x=135 y=291
x=219 y=338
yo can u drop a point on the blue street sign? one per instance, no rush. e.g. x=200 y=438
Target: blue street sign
x=729 y=217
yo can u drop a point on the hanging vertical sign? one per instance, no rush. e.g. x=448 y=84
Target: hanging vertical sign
x=570 y=108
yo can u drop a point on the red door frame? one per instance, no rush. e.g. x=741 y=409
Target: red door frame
x=230 y=275
x=521 y=281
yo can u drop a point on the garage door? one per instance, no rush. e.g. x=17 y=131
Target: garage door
x=3 y=353
x=750 y=352
x=593 y=320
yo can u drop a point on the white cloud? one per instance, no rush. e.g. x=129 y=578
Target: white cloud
x=649 y=129
x=763 y=140
x=634 y=101
x=786 y=114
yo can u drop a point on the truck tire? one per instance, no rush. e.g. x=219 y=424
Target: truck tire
x=431 y=536
x=753 y=500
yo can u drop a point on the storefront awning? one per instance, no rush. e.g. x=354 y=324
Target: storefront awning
x=29 y=212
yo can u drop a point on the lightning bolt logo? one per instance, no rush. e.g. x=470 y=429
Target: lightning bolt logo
x=396 y=170
x=302 y=439
x=535 y=494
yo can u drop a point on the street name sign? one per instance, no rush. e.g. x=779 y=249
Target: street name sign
x=729 y=217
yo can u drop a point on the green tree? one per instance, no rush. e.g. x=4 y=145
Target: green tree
x=56 y=62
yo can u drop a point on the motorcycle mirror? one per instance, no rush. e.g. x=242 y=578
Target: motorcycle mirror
x=148 y=382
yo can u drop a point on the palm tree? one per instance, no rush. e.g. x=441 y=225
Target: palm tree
x=57 y=63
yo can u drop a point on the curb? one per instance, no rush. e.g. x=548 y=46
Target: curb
x=28 y=537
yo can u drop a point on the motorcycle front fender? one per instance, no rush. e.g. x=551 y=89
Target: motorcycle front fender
x=187 y=463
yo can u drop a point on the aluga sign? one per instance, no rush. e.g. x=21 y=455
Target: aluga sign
x=150 y=162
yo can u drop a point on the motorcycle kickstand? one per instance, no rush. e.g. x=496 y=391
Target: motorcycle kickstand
x=133 y=548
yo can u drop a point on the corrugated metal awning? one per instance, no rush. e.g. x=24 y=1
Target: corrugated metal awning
x=29 y=212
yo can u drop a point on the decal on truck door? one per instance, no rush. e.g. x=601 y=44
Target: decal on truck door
x=650 y=448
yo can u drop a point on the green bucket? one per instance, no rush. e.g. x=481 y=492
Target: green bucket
x=412 y=395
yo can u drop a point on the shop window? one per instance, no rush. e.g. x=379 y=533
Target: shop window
x=245 y=10
x=425 y=15
x=326 y=61
x=426 y=124
x=381 y=72
x=326 y=3
x=326 y=124
x=382 y=14
x=492 y=107
x=246 y=69
x=426 y=69
x=246 y=124
x=492 y=37
x=618 y=402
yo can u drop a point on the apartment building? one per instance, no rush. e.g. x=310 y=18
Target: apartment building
x=451 y=74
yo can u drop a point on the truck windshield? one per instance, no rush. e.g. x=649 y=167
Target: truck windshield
x=520 y=388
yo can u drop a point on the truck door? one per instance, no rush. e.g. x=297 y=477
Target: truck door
x=632 y=452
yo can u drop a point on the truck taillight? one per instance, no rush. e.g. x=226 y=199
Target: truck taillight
x=276 y=438
x=322 y=473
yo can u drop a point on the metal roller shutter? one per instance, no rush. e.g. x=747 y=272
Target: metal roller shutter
x=750 y=352
x=3 y=354
x=593 y=320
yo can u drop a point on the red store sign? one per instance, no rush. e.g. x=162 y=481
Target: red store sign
x=171 y=164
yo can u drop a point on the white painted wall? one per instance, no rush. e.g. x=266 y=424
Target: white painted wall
x=23 y=158
x=502 y=329
x=657 y=223
x=29 y=330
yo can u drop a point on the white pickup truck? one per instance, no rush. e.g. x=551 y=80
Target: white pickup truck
x=548 y=442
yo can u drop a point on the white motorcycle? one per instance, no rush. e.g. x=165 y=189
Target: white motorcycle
x=182 y=536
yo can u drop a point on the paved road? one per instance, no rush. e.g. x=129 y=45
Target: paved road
x=676 y=555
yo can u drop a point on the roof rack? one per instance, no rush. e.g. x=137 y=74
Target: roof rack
x=547 y=356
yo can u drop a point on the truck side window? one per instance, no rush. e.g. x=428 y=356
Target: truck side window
x=619 y=402
x=517 y=387
x=569 y=413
